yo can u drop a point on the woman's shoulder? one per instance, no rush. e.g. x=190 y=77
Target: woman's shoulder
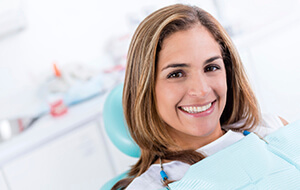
x=269 y=124
x=151 y=178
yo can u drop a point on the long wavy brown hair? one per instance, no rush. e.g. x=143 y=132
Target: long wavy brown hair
x=139 y=102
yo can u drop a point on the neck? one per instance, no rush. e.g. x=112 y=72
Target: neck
x=196 y=142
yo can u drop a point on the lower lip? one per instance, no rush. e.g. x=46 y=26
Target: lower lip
x=202 y=114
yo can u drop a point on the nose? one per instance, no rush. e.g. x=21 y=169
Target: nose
x=198 y=86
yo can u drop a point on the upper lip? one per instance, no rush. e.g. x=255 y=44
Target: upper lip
x=197 y=105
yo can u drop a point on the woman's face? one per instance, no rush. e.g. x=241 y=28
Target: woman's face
x=191 y=87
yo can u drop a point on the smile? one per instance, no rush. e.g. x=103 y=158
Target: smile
x=196 y=109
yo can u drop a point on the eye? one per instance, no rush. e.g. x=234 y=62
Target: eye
x=211 y=68
x=176 y=74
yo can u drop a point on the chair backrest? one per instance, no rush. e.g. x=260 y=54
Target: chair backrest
x=115 y=126
x=117 y=130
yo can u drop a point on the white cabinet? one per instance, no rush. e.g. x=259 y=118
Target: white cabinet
x=3 y=184
x=69 y=152
x=76 y=160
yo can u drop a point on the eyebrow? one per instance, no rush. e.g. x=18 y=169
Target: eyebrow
x=174 y=65
x=212 y=59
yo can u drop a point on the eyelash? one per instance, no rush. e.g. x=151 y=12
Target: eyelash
x=178 y=72
x=211 y=68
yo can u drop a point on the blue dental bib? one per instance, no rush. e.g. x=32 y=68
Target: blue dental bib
x=251 y=163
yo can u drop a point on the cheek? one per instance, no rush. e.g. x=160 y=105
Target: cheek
x=223 y=87
x=220 y=86
x=160 y=98
x=223 y=90
x=167 y=96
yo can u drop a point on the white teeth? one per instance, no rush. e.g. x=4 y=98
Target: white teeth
x=194 y=109
x=198 y=109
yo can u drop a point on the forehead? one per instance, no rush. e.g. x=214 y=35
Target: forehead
x=194 y=43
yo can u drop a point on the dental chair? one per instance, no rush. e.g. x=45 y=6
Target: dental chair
x=117 y=131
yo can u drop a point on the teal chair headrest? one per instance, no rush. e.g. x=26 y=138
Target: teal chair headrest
x=115 y=126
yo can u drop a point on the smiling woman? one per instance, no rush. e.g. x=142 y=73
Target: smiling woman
x=191 y=95
x=186 y=95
